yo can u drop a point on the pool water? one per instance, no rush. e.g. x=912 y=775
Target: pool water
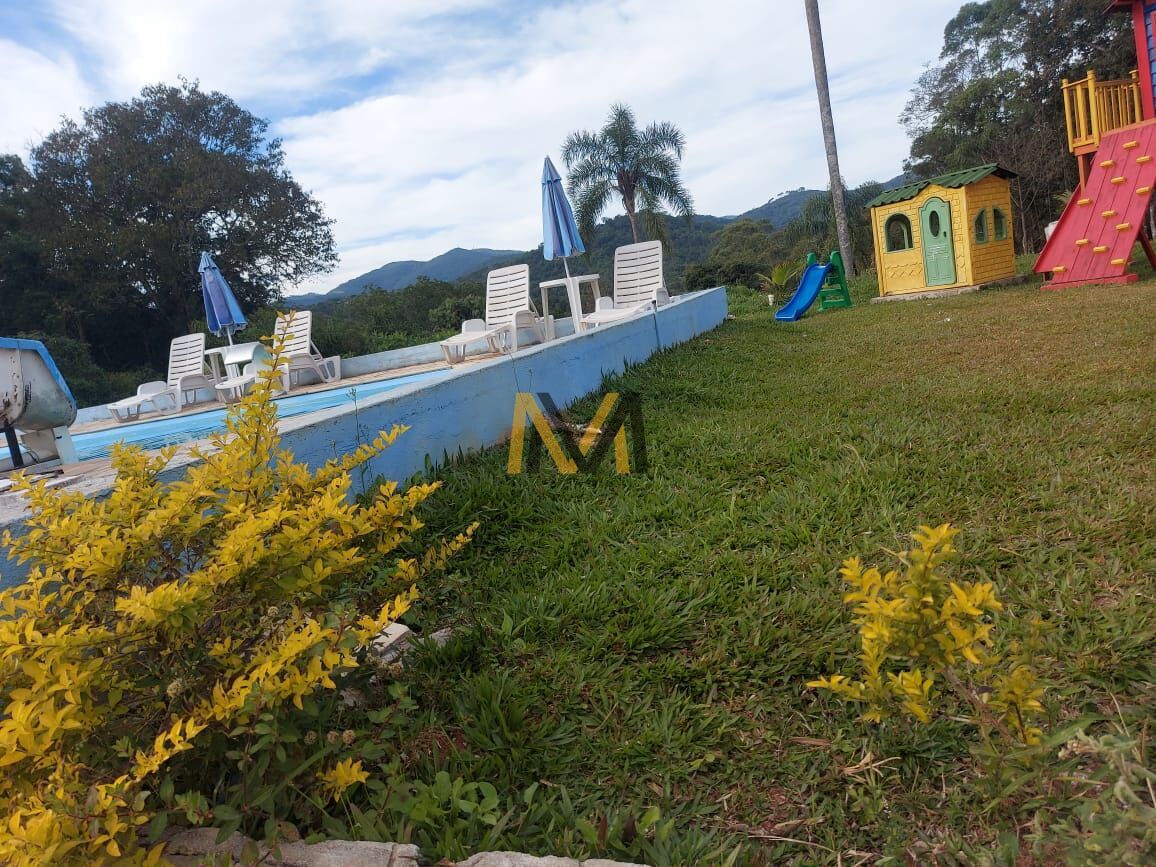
x=154 y=433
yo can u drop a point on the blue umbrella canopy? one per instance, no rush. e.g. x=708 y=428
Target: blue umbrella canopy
x=222 y=311
x=559 y=231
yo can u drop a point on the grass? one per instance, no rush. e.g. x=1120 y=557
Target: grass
x=644 y=640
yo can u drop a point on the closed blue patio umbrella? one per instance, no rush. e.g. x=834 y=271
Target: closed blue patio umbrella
x=222 y=311
x=559 y=231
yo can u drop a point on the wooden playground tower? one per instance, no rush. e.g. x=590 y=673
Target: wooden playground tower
x=1111 y=128
x=1093 y=107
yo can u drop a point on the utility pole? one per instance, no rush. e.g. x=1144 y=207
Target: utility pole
x=819 y=59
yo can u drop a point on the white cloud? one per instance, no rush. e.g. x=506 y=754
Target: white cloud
x=251 y=49
x=441 y=110
x=738 y=82
x=35 y=90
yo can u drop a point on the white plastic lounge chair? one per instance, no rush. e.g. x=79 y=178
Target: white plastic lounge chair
x=508 y=308
x=638 y=285
x=235 y=387
x=186 y=375
x=300 y=352
x=156 y=392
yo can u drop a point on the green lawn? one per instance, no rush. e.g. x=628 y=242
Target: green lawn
x=636 y=641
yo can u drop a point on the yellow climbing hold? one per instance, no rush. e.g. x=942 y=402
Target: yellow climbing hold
x=1107 y=164
x=1059 y=269
x=1083 y=242
x=1084 y=202
x=1144 y=159
x=1128 y=145
x=1107 y=214
x=1118 y=181
x=1143 y=191
x=1103 y=248
x=1121 y=227
x=1119 y=261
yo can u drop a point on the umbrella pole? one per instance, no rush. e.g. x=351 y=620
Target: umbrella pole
x=572 y=295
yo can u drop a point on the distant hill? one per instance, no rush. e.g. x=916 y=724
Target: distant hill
x=784 y=207
x=449 y=266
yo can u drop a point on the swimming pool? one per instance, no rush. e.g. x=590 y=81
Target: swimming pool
x=157 y=432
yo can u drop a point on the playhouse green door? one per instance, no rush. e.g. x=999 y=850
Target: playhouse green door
x=938 y=250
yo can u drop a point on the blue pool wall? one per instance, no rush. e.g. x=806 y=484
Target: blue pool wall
x=474 y=409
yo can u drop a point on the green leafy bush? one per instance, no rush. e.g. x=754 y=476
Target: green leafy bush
x=1115 y=821
x=89 y=383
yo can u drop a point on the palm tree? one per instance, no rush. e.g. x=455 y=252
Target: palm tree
x=819 y=60
x=642 y=167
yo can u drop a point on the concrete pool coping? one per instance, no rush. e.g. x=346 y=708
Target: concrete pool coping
x=467 y=410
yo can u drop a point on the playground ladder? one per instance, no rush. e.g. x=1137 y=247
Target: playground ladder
x=834 y=293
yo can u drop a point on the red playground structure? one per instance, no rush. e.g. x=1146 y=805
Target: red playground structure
x=1112 y=133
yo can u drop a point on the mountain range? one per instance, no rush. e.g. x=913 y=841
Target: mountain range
x=449 y=266
x=783 y=208
x=458 y=262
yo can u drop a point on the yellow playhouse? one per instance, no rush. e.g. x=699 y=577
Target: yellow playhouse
x=946 y=232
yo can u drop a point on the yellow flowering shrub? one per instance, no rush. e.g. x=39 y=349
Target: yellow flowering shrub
x=918 y=628
x=345 y=773
x=170 y=632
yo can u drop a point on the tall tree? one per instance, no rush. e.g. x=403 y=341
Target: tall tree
x=127 y=198
x=23 y=280
x=995 y=95
x=641 y=166
x=819 y=61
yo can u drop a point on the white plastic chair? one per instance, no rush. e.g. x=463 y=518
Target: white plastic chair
x=638 y=285
x=508 y=308
x=186 y=375
x=300 y=353
x=234 y=388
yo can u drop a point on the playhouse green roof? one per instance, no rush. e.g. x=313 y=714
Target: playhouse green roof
x=952 y=180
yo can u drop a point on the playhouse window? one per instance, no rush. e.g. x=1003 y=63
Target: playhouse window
x=999 y=224
x=981 y=227
x=898 y=233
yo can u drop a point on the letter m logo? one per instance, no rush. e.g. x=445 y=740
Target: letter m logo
x=571 y=449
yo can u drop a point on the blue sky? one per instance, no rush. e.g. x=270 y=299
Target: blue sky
x=421 y=124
